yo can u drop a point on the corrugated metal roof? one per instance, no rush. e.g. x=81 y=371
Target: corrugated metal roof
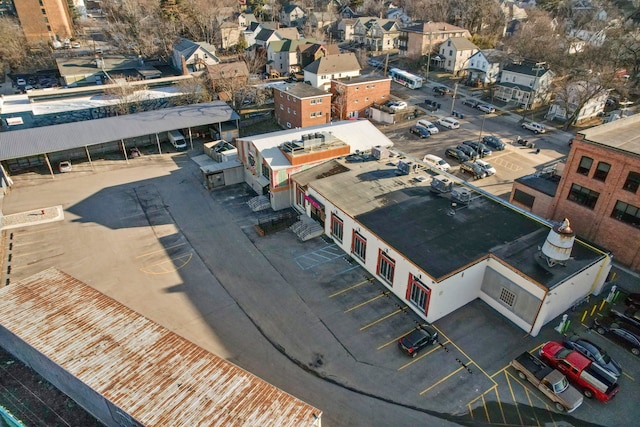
x=153 y=374
x=48 y=139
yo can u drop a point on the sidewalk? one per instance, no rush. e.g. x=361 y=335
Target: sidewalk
x=38 y=216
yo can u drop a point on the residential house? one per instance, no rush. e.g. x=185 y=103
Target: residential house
x=226 y=78
x=346 y=12
x=321 y=20
x=270 y=159
x=425 y=37
x=483 y=67
x=310 y=52
x=353 y=97
x=455 y=54
x=251 y=32
x=282 y=57
x=598 y=188
x=229 y=34
x=292 y=15
x=398 y=14
x=345 y=29
x=245 y=19
x=566 y=102
x=392 y=225
x=526 y=84
x=193 y=56
x=321 y=71
x=298 y=105
x=377 y=34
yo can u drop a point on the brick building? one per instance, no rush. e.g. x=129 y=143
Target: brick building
x=598 y=190
x=422 y=38
x=299 y=105
x=354 y=96
x=44 y=21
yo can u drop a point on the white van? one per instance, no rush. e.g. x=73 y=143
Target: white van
x=449 y=122
x=430 y=126
x=437 y=162
x=177 y=140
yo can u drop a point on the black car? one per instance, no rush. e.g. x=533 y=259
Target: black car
x=474 y=169
x=596 y=354
x=417 y=339
x=454 y=153
x=630 y=315
x=441 y=90
x=494 y=142
x=471 y=102
x=624 y=335
x=421 y=131
x=470 y=152
x=478 y=147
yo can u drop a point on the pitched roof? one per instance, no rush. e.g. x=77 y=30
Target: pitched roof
x=461 y=43
x=290 y=7
x=228 y=69
x=265 y=34
x=288 y=45
x=527 y=68
x=289 y=33
x=150 y=372
x=342 y=62
x=432 y=27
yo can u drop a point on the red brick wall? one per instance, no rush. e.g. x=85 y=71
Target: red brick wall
x=597 y=224
x=350 y=98
x=541 y=205
x=297 y=112
x=33 y=21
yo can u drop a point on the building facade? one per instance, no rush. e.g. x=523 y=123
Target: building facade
x=455 y=54
x=44 y=21
x=321 y=71
x=299 y=105
x=599 y=189
x=423 y=38
x=353 y=97
x=526 y=84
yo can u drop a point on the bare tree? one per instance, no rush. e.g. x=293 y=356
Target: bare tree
x=129 y=95
x=195 y=90
x=15 y=51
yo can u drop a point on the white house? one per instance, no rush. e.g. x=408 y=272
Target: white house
x=483 y=67
x=438 y=255
x=282 y=56
x=321 y=71
x=526 y=84
x=270 y=159
x=196 y=55
x=565 y=103
x=292 y=15
x=377 y=34
x=455 y=53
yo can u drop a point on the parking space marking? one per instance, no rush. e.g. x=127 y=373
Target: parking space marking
x=628 y=376
x=160 y=250
x=506 y=164
x=486 y=411
x=528 y=393
x=422 y=356
x=364 y=282
x=466 y=365
x=513 y=396
x=44 y=230
x=401 y=310
x=395 y=340
x=168 y=266
x=362 y=304
x=504 y=419
x=320 y=256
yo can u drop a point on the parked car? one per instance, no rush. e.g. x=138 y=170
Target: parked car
x=421 y=131
x=64 y=166
x=471 y=102
x=436 y=162
x=486 y=108
x=454 y=153
x=474 y=169
x=418 y=339
x=479 y=148
x=632 y=300
x=427 y=124
x=75 y=45
x=21 y=82
x=534 y=127
x=449 y=123
x=494 y=142
x=490 y=170
x=441 y=90
x=625 y=335
x=594 y=353
x=470 y=152
x=630 y=315
x=398 y=105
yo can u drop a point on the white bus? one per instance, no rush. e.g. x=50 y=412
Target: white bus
x=405 y=78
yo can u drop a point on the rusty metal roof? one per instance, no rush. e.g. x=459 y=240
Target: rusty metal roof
x=154 y=375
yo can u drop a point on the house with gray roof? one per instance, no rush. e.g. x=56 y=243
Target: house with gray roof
x=424 y=37
x=321 y=71
x=282 y=56
x=196 y=55
x=483 y=67
x=292 y=15
x=455 y=54
x=526 y=84
x=377 y=34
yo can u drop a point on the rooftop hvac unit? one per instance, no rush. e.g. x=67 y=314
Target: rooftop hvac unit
x=461 y=195
x=378 y=152
x=557 y=248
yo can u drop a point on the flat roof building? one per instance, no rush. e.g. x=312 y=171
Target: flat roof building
x=127 y=370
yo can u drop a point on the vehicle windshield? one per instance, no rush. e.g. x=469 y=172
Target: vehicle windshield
x=562 y=354
x=560 y=386
x=488 y=166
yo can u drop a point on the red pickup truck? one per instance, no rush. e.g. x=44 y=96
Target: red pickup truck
x=586 y=376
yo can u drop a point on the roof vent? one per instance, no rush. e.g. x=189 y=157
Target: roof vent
x=557 y=248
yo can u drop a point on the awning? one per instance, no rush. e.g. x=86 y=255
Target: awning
x=316 y=204
x=264 y=182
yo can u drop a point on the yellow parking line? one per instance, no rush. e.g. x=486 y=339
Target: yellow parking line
x=350 y=288
x=486 y=411
x=367 y=302
x=383 y=318
x=415 y=359
x=445 y=378
x=513 y=396
x=527 y=392
x=395 y=340
x=470 y=410
x=160 y=250
x=504 y=419
x=628 y=376
x=500 y=371
x=27 y=233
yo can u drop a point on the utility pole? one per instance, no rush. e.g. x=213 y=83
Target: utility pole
x=386 y=64
x=453 y=101
x=429 y=55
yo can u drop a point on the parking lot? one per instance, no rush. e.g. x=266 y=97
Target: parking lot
x=131 y=231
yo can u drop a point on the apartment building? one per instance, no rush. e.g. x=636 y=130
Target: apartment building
x=44 y=21
x=353 y=97
x=299 y=105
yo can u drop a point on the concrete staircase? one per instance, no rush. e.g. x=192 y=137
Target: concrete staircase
x=259 y=203
x=307 y=229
